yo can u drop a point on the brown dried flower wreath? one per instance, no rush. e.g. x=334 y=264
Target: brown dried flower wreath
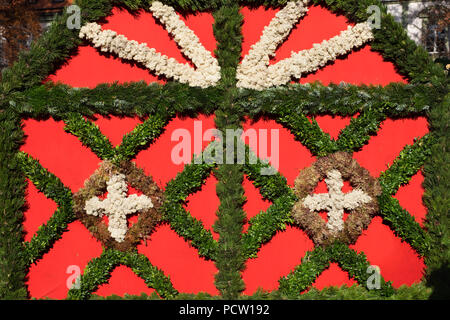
x=360 y=217
x=96 y=186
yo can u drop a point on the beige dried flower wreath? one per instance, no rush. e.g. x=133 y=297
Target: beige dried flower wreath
x=359 y=217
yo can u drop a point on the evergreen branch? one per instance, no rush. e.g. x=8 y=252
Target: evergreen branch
x=187 y=182
x=403 y=224
x=96 y=273
x=358 y=133
x=406 y=165
x=90 y=136
x=265 y=225
x=308 y=133
x=271 y=186
x=356 y=265
x=45 y=181
x=313 y=264
x=190 y=229
x=12 y=200
x=153 y=277
x=137 y=140
x=48 y=234
x=52 y=188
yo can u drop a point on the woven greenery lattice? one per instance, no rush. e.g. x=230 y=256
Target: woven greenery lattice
x=23 y=96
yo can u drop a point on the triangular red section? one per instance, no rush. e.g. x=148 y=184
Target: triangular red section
x=333 y=276
x=176 y=258
x=390 y=140
x=59 y=152
x=276 y=259
x=410 y=198
x=204 y=204
x=123 y=281
x=157 y=159
x=39 y=210
x=332 y=125
x=255 y=203
x=115 y=128
x=310 y=30
x=50 y=277
x=398 y=262
x=362 y=66
x=293 y=156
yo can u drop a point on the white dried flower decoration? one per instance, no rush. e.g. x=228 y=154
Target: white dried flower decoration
x=117 y=206
x=335 y=201
x=254 y=72
x=207 y=72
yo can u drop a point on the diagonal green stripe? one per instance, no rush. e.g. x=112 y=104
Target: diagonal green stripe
x=303 y=276
x=153 y=277
x=90 y=135
x=358 y=133
x=274 y=188
x=271 y=186
x=52 y=188
x=140 y=138
x=356 y=265
x=45 y=181
x=98 y=271
x=316 y=261
x=190 y=229
x=265 y=225
x=308 y=133
x=187 y=182
x=406 y=165
x=403 y=224
x=48 y=233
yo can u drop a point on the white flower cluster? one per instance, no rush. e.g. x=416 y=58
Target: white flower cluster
x=335 y=201
x=207 y=72
x=252 y=73
x=117 y=206
x=255 y=72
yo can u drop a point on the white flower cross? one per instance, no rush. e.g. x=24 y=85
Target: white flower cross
x=335 y=201
x=117 y=206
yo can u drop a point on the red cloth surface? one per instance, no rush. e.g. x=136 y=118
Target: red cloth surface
x=63 y=155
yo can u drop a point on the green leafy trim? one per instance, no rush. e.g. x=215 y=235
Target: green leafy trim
x=141 y=136
x=22 y=95
x=406 y=165
x=98 y=271
x=189 y=181
x=52 y=188
x=316 y=261
x=403 y=224
x=230 y=260
x=12 y=201
x=90 y=136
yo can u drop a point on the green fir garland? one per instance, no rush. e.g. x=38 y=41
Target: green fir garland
x=22 y=96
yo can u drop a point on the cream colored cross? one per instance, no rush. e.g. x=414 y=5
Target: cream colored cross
x=117 y=206
x=335 y=201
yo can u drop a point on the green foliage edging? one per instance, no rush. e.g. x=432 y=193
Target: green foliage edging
x=21 y=95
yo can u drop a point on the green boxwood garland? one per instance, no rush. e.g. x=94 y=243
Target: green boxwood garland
x=23 y=96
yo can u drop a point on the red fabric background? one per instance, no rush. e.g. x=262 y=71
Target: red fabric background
x=64 y=156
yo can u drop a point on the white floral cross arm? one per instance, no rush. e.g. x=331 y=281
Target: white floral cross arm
x=207 y=72
x=335 y=201
x=117 y=206
x=255 y=72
